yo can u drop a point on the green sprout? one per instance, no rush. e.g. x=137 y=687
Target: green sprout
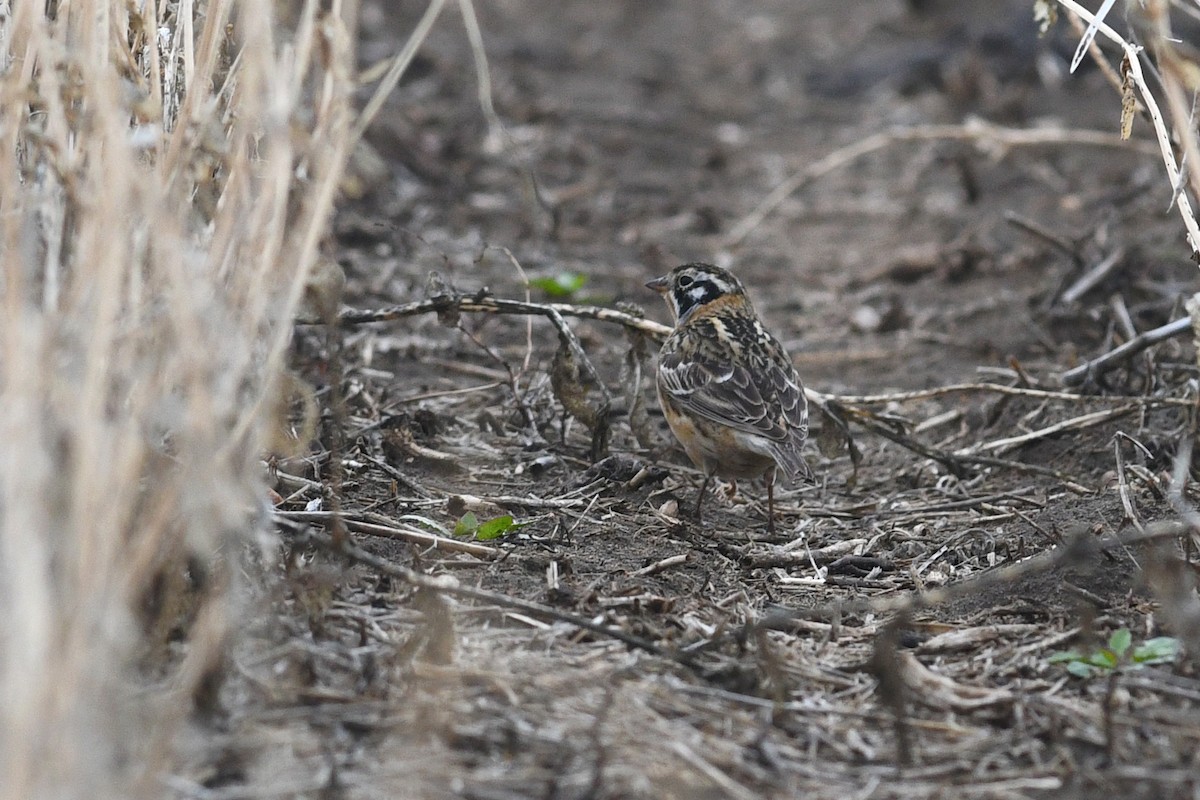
x=564 y=284
x=1119 y=653
x=469 y=525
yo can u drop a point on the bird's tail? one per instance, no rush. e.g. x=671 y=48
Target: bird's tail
x=792 y=464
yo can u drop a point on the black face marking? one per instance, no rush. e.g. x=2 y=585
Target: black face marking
x=691 y=286
x=695 y=293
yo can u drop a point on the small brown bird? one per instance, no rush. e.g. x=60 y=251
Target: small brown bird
x=726 y=385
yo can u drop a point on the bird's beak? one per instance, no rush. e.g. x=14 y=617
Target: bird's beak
x=658 y=284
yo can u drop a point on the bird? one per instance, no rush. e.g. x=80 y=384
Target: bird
x=727 y=387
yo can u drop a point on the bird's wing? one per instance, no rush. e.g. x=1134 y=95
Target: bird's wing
x=766 y=402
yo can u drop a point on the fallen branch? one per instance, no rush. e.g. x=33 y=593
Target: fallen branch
x=485 y=304
x=447 y=586
x=1075 y=423
x=997 y=388
x=1119 y=355
x=407 y=534
x=480 y=303
x=956 y=463
x=1165 y=148
x=448 y=305
x=1074 y=551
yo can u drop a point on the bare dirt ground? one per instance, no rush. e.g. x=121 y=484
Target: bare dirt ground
x=638 y=136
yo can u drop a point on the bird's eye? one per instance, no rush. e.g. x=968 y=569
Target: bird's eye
x=685 y=281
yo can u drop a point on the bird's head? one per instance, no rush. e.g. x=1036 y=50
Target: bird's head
x=690 y=287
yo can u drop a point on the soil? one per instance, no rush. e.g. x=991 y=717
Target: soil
x=638 y=136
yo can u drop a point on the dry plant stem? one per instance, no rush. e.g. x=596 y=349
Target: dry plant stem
x=1131 y=515
x=1178 y=86
x=511 y=501
x=354 y=523
x=397 y=69
x=351 y=551
x=513 y=381
x=555 y=312
x=395 y=474
x=153 y=239
x=956 y=463
x=482 y=72
x=728 y=787
x=998 y=388
x=1110 y=74
x=890 y=686
x=1040 y=231
x=658 y=332
x=1075 y=423
x=1113 y=358
x=1075 y=550
x=975 y=130
x=1156 y=118
x=1092 y=278
x=493 y=305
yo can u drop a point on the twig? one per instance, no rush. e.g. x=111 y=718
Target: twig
x=482 y=73
x=514 y=378
x=659 y=566
x=1110 y=74
x=997 y=388
x=957 y=462
x=867 y=420
x=1137 y=344
x=493 y=305
x=1075 y=549
x=443 y=586
x=657 y=331
x=1176 y=62
x=1090 y=279
x=1156 y=118
x=1122 y=316
x=396 y=69
x=975 y=130
x=1089 y=35
x=1131 y=515
x=1043 y=233
x=964 y=505
x=1075 y=423
x=508 y=500
x=1031 y=469
x=727 y=786
x=396 y=475
x=407 y=534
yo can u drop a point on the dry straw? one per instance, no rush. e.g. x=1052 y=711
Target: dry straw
x=167 y=171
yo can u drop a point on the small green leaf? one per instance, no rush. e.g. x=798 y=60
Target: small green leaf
x=467 y=525
x=1104 y=659
x=1065 y=655
x=1080 y=670
x=1159 y=650
x=564 y=284
x=1120 y=641
x=494 y=528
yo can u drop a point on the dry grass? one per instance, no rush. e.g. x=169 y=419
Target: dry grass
x=166 y=175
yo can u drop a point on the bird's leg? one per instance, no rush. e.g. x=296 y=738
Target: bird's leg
x=700 y=498
x=771 y=501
